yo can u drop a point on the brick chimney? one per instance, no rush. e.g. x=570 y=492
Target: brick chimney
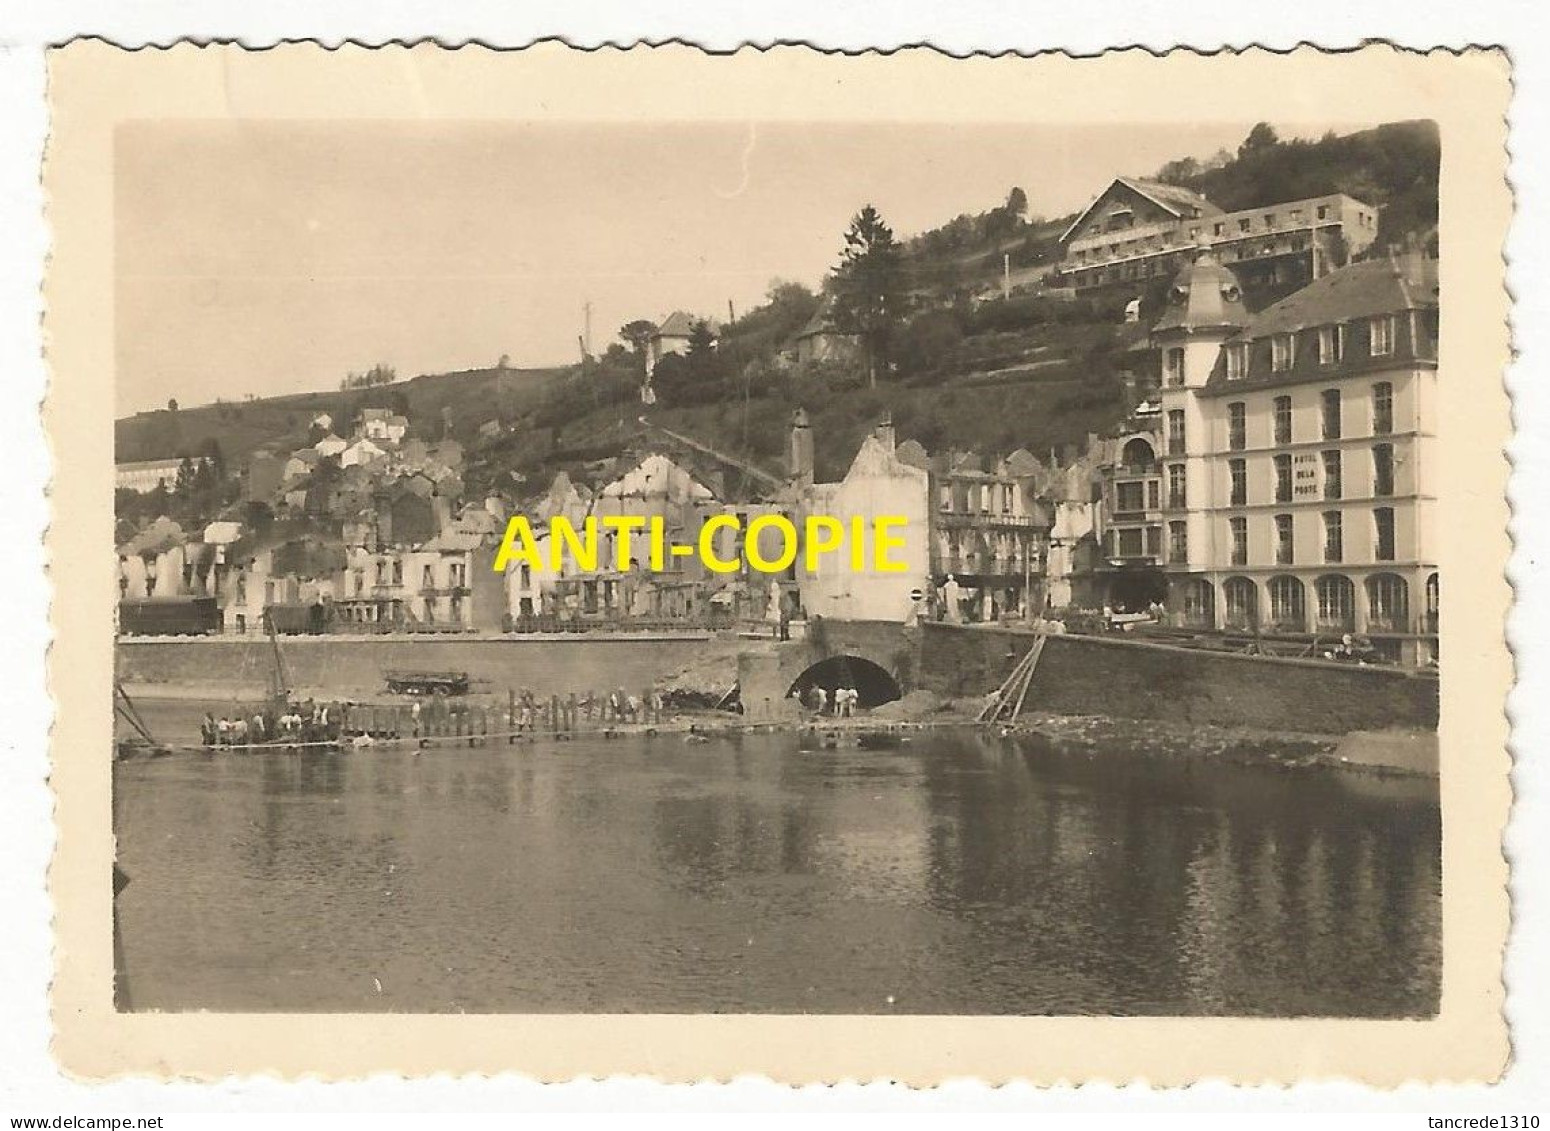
x=799 y=455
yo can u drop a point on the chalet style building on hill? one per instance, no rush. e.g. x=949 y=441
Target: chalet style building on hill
x=1136 y=230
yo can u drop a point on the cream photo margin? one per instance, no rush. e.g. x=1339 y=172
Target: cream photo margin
x=93 y=86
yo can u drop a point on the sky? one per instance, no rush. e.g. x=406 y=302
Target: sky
x=272 y=257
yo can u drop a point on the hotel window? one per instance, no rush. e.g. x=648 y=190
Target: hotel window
x=947 y=497
x=1329 y=413
x=1331 y=474
x=1006 y=498
x=1243 y=225
x=1323 y=212
x=1153 y=541
x=1270 y=219
x=1331 y=345
x=1297 y=215
x=1237 y=471
x=1283 y=420
x=1194 y=233
x=1337 y=602
x=1176 y=500
x=1383 y=525
x=1153 y=492
x=398 y=571
x=1217 y=229
x=1178 y=542
x=1128 y=497
x=1175 y=431
x=1382 y=408
x=1173 y=366
x=1283 y=479
x=1239 y=527
x=1283 y=539
x=1237 y=361
x=428 y=577
x=1237 y=430
x=1130 y=542
x=1283 y=352
x=1382 y=342
x=1286 y=604
x=1334 y=537
x=1383 y=470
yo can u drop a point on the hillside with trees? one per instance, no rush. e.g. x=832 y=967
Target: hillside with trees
x=1393 y=166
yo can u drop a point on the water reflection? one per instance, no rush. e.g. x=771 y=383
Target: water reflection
x=960 y=873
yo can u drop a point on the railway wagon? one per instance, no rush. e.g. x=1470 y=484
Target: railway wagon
x=169 y=616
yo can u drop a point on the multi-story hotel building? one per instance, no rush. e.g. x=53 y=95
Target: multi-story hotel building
x=1138 y=230
x=1291 y=463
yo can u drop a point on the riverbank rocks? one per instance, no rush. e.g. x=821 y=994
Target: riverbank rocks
x=915 y=705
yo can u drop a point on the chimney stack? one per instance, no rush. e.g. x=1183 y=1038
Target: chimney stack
x=799 y=455
x=884 y=432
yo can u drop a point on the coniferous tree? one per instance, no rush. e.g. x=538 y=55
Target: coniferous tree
x=868 y=286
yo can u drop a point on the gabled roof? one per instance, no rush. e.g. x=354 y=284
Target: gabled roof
x=676 y=325
x=1174 y=199
x=679 y=324
x=822 y=321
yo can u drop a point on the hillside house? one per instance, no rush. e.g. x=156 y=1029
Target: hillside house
x=146 y=475
x=672 y=336
x=382 y=425
x=822 y=340
x=330 y=446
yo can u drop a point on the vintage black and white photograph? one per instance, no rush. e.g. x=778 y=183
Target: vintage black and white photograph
x=1144 y=724
x=876 y=567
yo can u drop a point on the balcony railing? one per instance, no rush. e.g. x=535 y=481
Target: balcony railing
x=956 y=520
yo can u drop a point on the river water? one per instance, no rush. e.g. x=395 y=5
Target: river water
x=959 y=873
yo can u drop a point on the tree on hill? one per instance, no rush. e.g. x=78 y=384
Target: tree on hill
x=637 y=334
x=1262 y=136
x=868 y=286
x=1017 y=202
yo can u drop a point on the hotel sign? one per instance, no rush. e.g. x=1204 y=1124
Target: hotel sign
x=1307 y=476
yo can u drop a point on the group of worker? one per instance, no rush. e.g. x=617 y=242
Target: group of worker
x=296 y=723
x=845 y=701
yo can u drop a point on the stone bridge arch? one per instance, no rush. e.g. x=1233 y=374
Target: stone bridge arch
x=768 y=675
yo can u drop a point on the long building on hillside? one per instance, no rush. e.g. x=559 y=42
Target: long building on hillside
x=1136 y=230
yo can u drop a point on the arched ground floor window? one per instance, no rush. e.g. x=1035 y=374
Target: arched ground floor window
x=1433 y=603
x=1240 y=599
x=1388 y=603
x=1336 y=603
x=1199 y=603
x=1288 y=605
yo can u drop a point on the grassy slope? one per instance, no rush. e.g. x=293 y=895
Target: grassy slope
x=242 y=427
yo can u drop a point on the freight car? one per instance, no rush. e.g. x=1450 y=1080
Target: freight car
x=169 y=616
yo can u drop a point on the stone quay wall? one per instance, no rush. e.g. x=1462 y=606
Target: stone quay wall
x=354 y=666
x=1089 y=675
